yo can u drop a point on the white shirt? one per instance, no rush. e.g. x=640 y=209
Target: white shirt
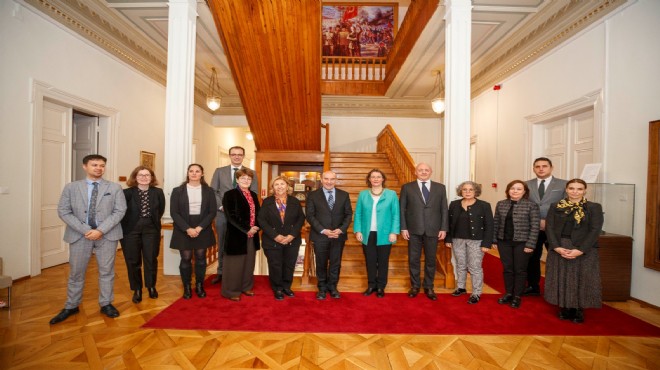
x=547 y=182
x=374 y=222
x=194 y=199
x=428 y=185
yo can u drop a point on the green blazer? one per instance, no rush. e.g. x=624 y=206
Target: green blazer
x=387 y=216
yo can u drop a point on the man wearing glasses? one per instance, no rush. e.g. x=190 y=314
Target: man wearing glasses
x=223 y=180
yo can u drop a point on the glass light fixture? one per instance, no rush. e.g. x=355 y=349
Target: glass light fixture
x=213 y=98
x=438 y=104
x=249 y=136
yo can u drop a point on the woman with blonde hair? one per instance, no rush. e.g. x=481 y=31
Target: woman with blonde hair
x=281 y=218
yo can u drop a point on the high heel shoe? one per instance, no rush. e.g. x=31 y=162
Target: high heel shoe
x=199 y=289
x=187 y=291
x=152 y=292
x=137 y=296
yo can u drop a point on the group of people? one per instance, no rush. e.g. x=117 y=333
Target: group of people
x=542 y=211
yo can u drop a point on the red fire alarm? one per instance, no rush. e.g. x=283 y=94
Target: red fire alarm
x=497 y=87
x=493 y=185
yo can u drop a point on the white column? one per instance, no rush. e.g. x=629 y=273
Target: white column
x=458 y=31
x=179 y=111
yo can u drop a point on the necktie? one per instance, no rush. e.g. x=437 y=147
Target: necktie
x=331 y=200
x=542 y=189
x=425 y=192
x=233 y=177
x=92 y=206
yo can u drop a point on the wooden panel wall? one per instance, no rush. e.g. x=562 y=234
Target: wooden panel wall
x=274 y=51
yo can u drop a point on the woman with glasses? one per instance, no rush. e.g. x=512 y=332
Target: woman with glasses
x=145 y=205
x=241 y=207
x=470 y=235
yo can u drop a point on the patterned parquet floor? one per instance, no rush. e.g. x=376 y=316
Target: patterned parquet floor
x=90 y=340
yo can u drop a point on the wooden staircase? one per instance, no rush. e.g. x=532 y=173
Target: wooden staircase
x=351 y=170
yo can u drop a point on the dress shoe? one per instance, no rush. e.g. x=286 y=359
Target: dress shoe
x=216 y=279
x=64 y=314
x=279 y=295
x=288 y=293
x=153 y=293
x=531 y=291
x=458 y=292
x=380 y=293
x=235 y=299
x=412 y=293
x=249 y=293
x=137 y=296
x=515 y=302
x=110 y=311
x=430 y=294
x=335 y=294
x=507 y=298
x=321 y=294
x=474 y=299
x=579 y=316
x=199 y=289
x=187 y=291
x=565 y=314
x=369 y=291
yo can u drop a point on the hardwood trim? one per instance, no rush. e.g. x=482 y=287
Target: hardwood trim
x=652 y=244
x=390 y=144
x=326 y=153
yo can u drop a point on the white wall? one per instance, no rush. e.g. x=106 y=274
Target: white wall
x=618 y=57
x=33 y=48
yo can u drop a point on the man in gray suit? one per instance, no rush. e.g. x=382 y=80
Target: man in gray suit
x=222 y=181
x=92 y=210
x=543 y=190
x=424 y=221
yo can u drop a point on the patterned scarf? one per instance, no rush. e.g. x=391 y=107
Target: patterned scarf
x=253 y=209
x=281 y=206
x=577 y=209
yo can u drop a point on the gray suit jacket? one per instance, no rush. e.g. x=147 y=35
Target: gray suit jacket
x=110 y=209
x=222 y=182
x=554 y=192
x=421 y=218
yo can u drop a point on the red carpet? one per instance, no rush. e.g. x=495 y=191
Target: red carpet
x=393 y=314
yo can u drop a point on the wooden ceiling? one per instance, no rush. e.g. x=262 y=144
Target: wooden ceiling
x=274 y=55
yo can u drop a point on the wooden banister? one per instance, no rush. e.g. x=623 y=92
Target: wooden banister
x=403 y=164
x=326 y=155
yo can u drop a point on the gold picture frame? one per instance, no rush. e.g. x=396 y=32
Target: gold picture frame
x=148 y=159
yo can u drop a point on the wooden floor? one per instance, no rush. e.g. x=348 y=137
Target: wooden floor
x=90 y=340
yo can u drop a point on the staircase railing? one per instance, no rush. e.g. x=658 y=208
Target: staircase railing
x=353 y=68
x=403 y=164
x=326 y=154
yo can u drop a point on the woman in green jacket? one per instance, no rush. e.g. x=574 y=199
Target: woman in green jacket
x=376 y=226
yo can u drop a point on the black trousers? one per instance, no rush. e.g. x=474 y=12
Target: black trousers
x=281 y=264
x=378 y=262
x=514 y=261
x=534 y=264
x=141 y=247
x=416 y=244
x=328 y=262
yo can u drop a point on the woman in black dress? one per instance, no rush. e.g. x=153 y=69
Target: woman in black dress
x=241 y=207
x=145 y=205
x=573 y=266
x=193 y=208
x=281 y=218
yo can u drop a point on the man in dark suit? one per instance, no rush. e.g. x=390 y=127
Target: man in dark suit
x=222 y=181
x=329 y=213
x=92 y=210
x=543 y=190
x=424 y=221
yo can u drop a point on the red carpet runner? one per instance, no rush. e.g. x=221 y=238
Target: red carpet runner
x=393 y=314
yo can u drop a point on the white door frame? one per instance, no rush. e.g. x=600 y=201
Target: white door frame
x=108 y=121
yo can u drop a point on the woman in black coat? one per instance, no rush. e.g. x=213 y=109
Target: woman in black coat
x=241 y=207
x=193 y=208
x=573 y=266
x=145 y=205
x=281 y=218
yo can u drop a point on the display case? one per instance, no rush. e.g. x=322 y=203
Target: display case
x=618 y=201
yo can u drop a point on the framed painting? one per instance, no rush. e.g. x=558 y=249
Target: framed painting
x=363 y=30
x=148 y=159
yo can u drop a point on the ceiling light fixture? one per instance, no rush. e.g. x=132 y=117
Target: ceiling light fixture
x=213 y=98
x=438 y=104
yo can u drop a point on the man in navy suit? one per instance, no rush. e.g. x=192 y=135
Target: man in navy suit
x=92 y=210
x=223 y=181
x=424 y=221
x=543 y=190
x=329 y=213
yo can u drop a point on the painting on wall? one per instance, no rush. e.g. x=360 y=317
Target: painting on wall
x=363 y=30
x=148 y=159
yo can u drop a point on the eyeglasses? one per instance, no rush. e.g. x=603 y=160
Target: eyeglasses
x=143 y=175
